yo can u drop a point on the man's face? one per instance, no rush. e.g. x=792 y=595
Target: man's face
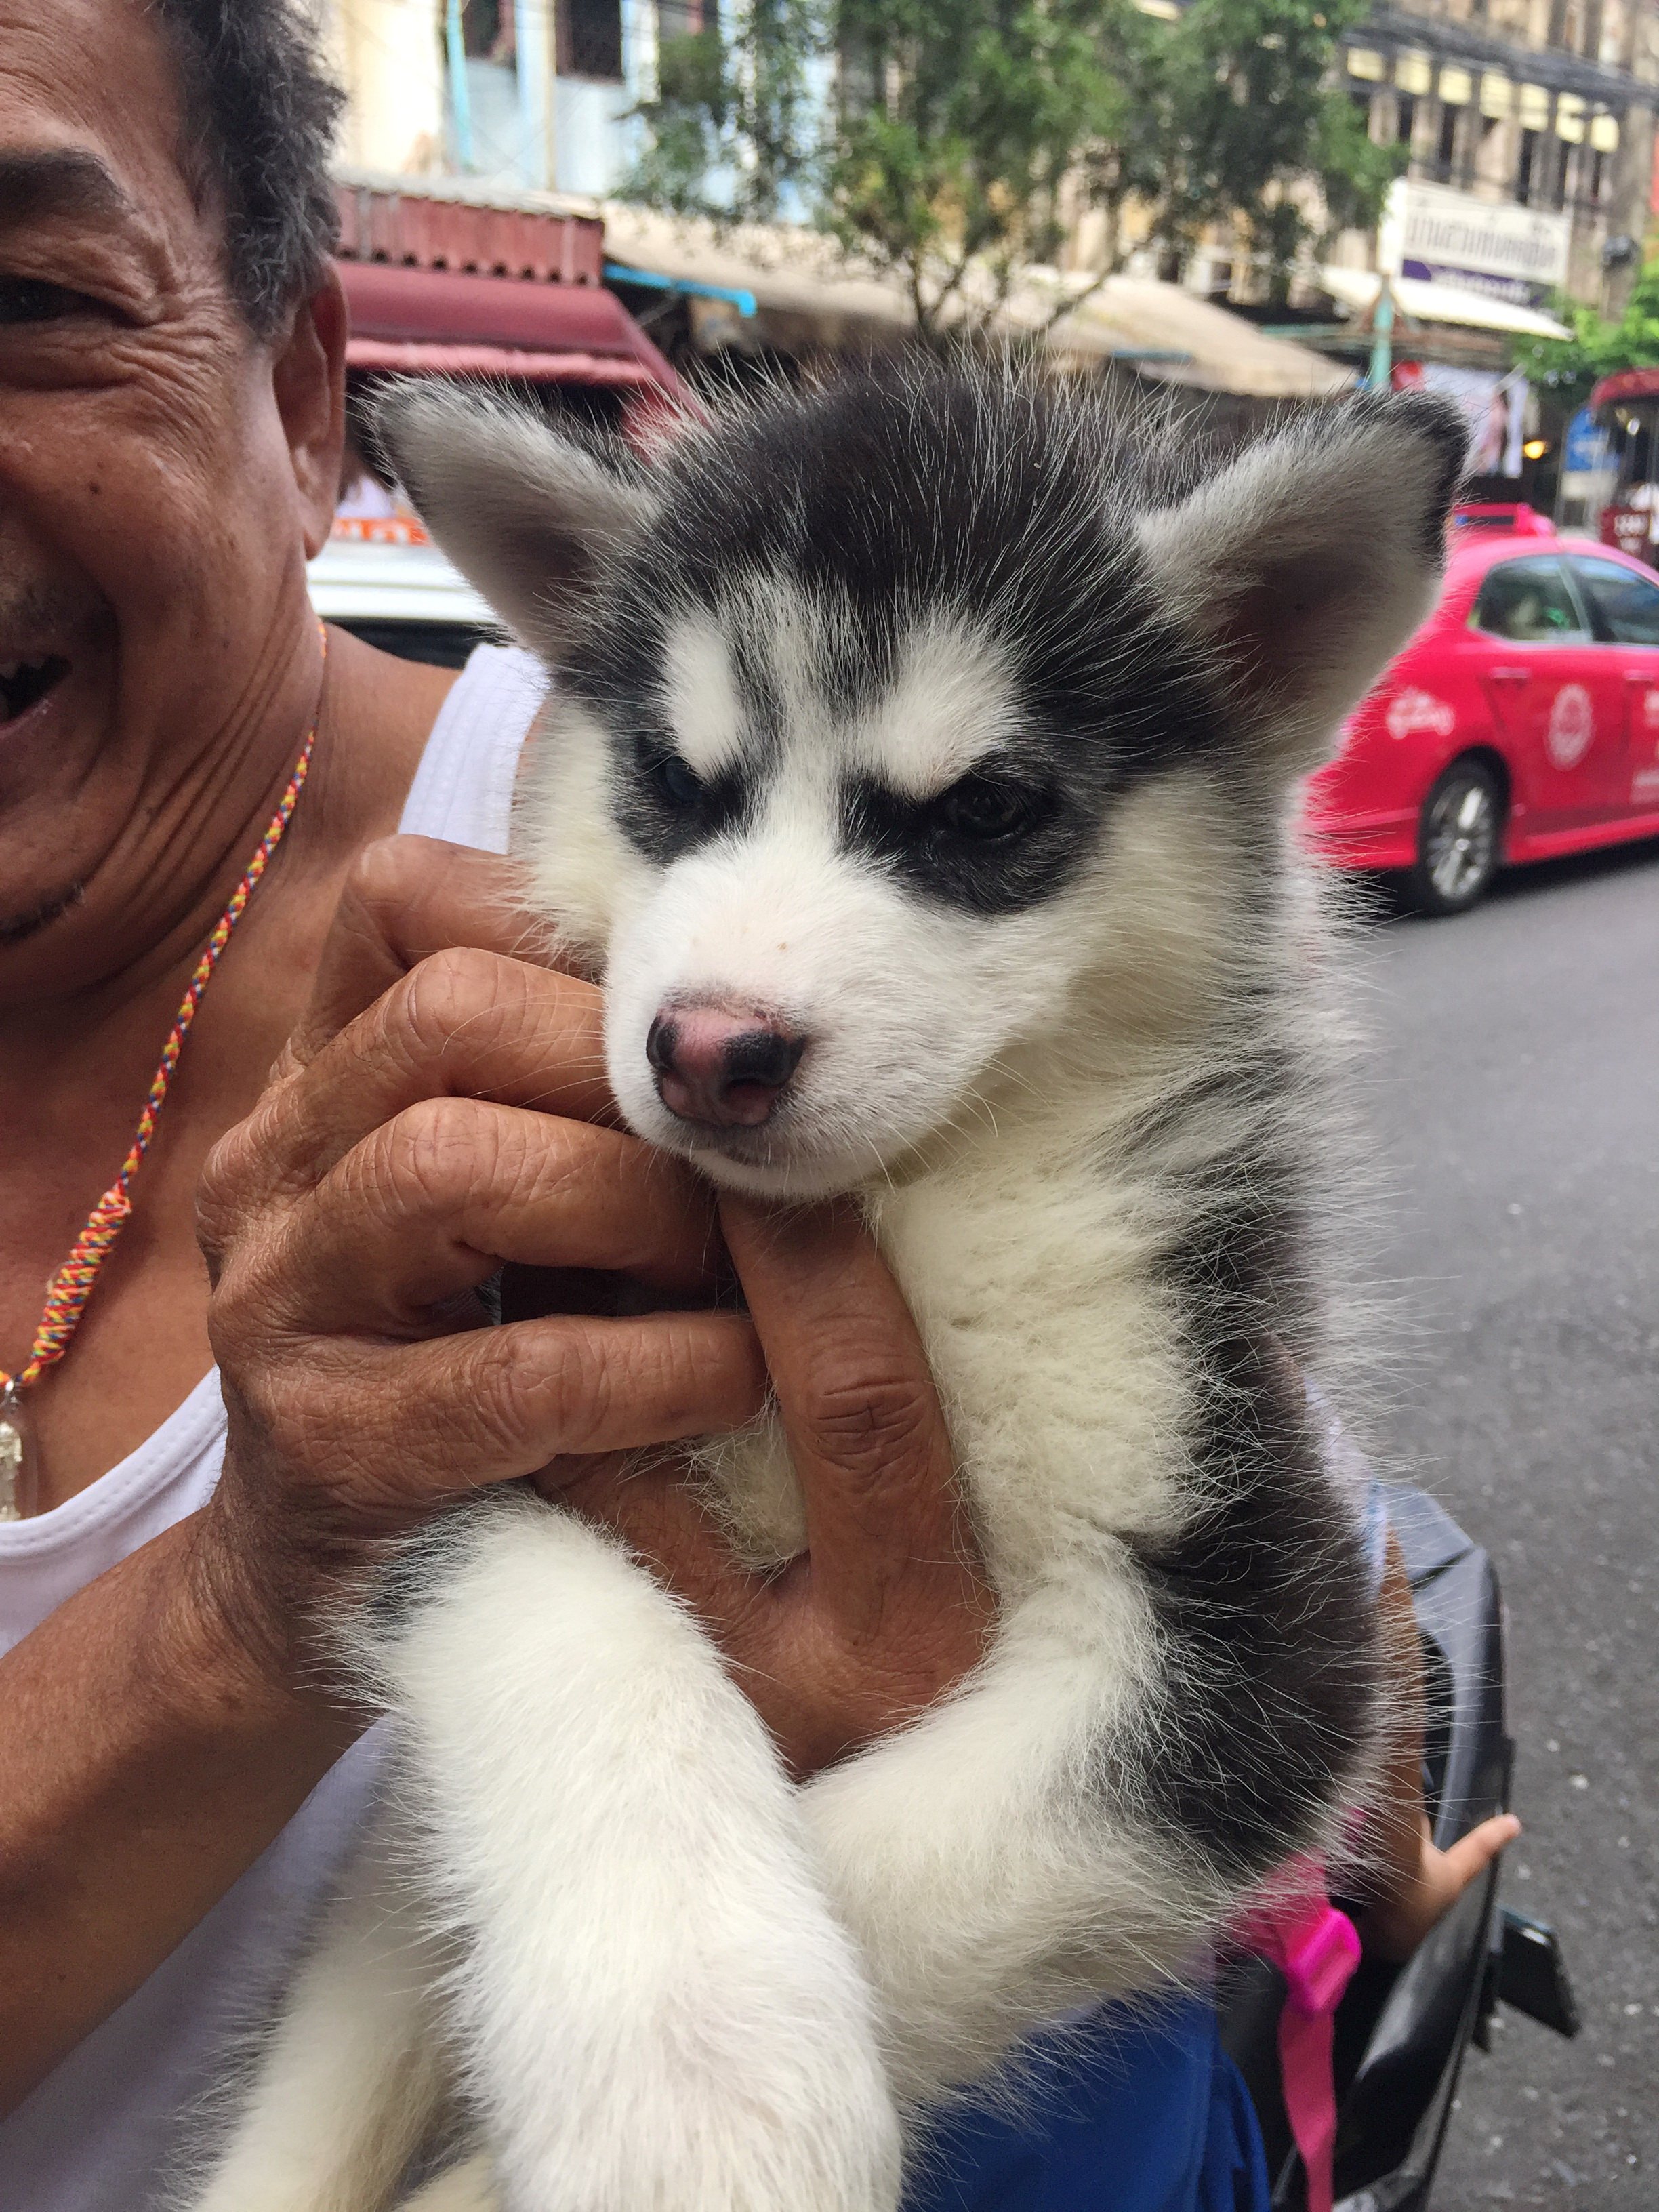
x=162 y=475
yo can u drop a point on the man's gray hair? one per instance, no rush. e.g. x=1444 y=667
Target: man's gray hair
x=260 y=110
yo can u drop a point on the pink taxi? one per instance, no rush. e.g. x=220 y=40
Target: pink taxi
x=1520 y=723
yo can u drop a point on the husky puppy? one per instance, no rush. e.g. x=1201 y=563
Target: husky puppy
x=914 y=777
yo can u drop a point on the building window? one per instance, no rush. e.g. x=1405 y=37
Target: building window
x=590 y=38
x=1597 y=174
x=677 y=19
x=1446 y=151
x=1406 y=112
x=488 y=33
x=1528 y=167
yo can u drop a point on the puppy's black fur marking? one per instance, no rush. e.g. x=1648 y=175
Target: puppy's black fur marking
x=1264 y=1606
x=660 y=821
x=994 y=511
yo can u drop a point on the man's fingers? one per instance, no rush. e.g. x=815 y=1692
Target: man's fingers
x=465 y=1023
x=432 y=1420
x=866 y=1429
x=462 y=1024
x=404 y=899
x=432 y=1201
x=660 y=1513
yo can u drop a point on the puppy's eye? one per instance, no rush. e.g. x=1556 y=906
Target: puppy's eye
x=977 y=807
x=676 y=782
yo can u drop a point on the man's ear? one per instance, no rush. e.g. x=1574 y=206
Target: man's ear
x=1308 y=561
x=309 y=380
x=524 y=514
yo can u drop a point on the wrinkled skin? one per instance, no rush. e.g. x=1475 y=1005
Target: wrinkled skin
x=164 y=473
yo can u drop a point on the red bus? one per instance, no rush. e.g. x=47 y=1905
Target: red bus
x=1626 y=408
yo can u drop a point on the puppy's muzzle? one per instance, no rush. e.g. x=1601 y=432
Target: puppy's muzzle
x=726 y=1069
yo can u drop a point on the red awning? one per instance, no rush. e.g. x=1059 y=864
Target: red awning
x=409 y=357
x=438 y=322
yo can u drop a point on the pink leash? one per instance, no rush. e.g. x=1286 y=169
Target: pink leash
x=1316 y=1949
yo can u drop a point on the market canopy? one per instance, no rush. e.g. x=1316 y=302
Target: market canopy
x=1424 y=302
x=439 y=323
x=809 y=296
x=1181 y=337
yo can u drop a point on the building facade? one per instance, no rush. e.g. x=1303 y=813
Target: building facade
x=521 y=95
x=1541 y=105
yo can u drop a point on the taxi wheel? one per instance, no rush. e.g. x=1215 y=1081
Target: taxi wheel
x=1458 y=839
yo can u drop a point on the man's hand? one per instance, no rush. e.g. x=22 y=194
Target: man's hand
x=887 y=1610
x=443 y=1110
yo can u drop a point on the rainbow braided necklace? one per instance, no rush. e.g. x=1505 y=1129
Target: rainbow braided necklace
x=72 y=1285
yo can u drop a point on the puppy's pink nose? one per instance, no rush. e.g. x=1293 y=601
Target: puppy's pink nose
x=725 y=1068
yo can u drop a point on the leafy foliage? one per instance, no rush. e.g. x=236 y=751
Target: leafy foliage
x=1570 y=366
x=735 y=130
x=942 y=137
x=1232 y=117
x=958 y=123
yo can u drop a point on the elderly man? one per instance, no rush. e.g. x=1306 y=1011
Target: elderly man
x=177 y=1784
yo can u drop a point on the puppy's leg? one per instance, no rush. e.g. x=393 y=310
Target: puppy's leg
x=350 y=2079
x=994 y=1872
x=657 y=2008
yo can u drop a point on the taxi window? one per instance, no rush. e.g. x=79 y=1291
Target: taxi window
x=1529 y=603
x=1628 y=604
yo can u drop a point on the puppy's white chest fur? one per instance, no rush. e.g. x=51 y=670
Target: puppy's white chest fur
x=1029 y=1281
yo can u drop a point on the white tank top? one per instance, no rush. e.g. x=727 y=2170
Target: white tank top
x=100 y=2131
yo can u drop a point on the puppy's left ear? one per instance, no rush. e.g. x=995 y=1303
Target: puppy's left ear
x=1308 y=561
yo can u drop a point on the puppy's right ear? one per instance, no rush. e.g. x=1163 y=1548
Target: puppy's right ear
x=524 y=514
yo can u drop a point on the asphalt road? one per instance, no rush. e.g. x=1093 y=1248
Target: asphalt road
x=1515 y=1092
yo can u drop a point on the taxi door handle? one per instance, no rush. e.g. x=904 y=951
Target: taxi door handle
x=1633 y=676
x=1512 y=674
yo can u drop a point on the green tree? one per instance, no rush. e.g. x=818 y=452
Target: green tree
x=932 y=137
x=735 y=126
x=959 y=134
x=1234 y=117
x=958 y=124
x=1570 y=366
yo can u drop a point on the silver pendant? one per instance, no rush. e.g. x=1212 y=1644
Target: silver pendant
x=19 y=1484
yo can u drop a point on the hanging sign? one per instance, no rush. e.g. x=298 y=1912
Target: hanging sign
x=1437 y=236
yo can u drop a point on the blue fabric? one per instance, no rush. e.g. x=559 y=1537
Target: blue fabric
x=1127 y=2113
